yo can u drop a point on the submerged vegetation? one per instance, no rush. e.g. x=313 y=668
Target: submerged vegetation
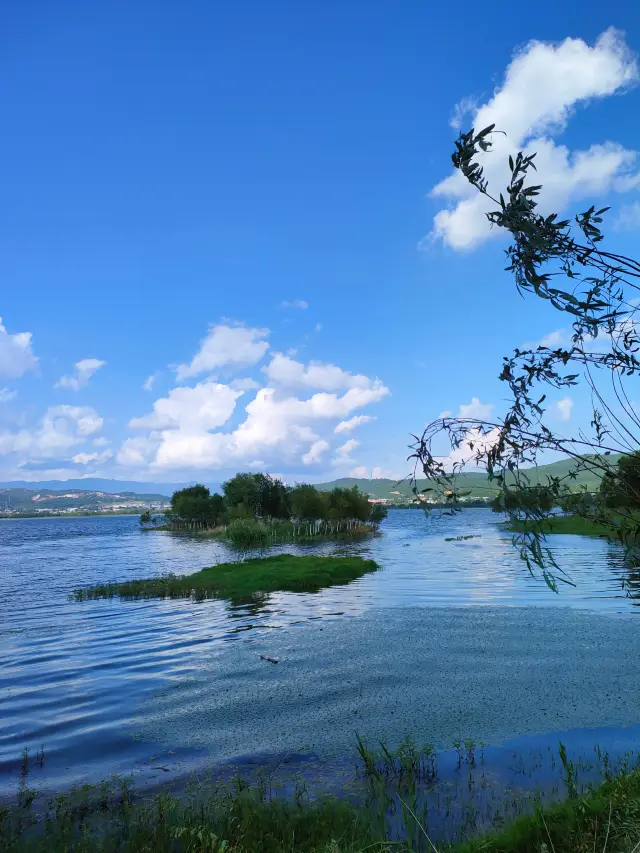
x=259 y=510
x=278 y=573
x=389 y=812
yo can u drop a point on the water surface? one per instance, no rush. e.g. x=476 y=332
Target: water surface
x=80 y=678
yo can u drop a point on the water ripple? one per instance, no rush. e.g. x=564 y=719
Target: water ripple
x=74 y=676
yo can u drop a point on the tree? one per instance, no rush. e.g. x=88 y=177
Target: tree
x=378 y=513
x=266 y=496
x=590 y=287
x=196 y=507
x=620 y=488
x=308 y=504
x=349 y=504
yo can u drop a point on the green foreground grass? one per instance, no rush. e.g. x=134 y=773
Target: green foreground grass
x=239 y=819
x=242 y=580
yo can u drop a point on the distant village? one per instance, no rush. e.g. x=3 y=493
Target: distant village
x=24 y=502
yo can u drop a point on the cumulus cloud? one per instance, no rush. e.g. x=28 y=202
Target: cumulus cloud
x=301 y=304
x=206 y=406
x=563 y=408
x=554 y=340
x=353 y=423
x=84 y=370
x=7 y=394
x=315 y=452
x=61 y=428
x=278 y=427
x=16 y=355
x=343 y=452
x=543 y=85
x=476 y=410
x=473 y=442
x=283 y=370
x=361 y=472
x=228 y=347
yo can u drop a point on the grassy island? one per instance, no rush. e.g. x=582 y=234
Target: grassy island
x=573 y=524
x=279 y=573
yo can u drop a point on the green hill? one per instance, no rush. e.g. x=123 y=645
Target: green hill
x=43 y=500
x=476 y=482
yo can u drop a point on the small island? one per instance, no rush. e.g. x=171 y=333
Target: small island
x=261 y=575
x=258 y=510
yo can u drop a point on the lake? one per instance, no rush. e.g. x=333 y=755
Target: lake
x=450 y=637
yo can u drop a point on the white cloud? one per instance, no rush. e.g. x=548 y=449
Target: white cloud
x=476 y=410
x=206 y=406
x=360 y=473
x=352 y=423
x=101 y=441
x=554 y=339
x=346 y=448
x=86 y=458
x=472 y=443
x=283 y=370
x=301 y=304
x=16 y=355
x=150 y=381
x=229 y=347
x=61 y=428
x=445 y=414
x=564 y=408
x=343 y=452
x=316 y=451
x=245 y=384
x=84 y=371
x=629 y=217
x=278 y=427
x=543 y=85
x=7 y=394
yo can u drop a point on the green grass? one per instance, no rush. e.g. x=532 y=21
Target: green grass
x=237 y=818
x=281 y=572
x=572 y=524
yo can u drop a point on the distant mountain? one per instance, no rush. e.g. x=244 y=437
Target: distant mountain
x=97 y=484
x=476 y=482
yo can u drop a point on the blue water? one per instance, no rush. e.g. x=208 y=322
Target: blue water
x=74 y=676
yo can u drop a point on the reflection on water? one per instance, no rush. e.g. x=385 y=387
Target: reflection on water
x=72 y=675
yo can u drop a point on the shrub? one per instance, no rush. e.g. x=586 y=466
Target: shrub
x=247 y=532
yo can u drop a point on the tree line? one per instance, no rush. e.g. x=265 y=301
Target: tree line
x=267 y=498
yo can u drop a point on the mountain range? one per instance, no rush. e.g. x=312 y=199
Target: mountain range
x=476 y=482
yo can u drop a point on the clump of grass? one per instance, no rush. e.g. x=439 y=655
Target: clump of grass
x=242 y=580
x=462 y=538
x=573 y=524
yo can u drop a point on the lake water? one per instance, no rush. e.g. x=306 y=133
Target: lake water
x=138 y=687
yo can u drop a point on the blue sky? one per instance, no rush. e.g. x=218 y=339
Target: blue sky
x=245 y=202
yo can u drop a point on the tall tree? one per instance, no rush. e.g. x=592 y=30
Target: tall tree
x=593 y=289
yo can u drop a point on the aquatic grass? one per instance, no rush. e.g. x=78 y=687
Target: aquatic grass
x=462 y=538
x=238 y=817
x=569 y=524
x=241 y=580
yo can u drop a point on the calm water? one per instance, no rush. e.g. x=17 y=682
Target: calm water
x=75 y=676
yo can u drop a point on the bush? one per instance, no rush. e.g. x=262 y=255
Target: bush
x=247 y=532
